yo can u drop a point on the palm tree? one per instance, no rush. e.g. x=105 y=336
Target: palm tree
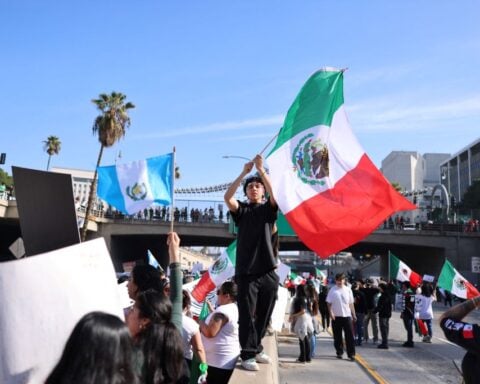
x=52 y=146
x=110 y=126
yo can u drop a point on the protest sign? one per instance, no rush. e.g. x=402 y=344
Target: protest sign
x=42 y=299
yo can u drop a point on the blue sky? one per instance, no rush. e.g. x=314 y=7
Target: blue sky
x=216 y=78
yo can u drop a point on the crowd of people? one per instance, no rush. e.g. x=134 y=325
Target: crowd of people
x=160 y=342
x=359 y=312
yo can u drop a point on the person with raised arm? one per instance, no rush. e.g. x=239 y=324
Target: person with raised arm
x=255 y=273
x=466 y=335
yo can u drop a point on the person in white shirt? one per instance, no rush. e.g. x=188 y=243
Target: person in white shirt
x=220 y=335
x=192 y=341
x=342 y=311
x=423 y=304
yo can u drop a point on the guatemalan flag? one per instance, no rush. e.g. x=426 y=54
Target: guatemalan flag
x=329 y=190
x=131 y=187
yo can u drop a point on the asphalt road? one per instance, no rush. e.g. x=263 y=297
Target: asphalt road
x=425 y=363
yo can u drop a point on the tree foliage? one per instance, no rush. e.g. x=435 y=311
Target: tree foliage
x=52 y=146
x=471 y=198
x=110 y=125
x=5 y=178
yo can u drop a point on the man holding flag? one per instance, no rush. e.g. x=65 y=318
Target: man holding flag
x=255 y=261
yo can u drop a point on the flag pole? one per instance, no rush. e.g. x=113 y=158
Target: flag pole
x=270 y=142
x=172 y=206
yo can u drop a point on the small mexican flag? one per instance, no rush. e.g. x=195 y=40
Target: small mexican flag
x=217 y=274
x=402 y=272
x=330 y=192
x=296 y=279
x=322 y=276
x=455 y=283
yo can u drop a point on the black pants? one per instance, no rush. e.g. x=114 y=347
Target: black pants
x=256 y=298
x=343 y=324
x=408 y=324
x=305 y=352
x=218 y=375
x=384 y=328
x=325 y=314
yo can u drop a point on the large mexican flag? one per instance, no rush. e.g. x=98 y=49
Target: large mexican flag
x=455 y=283
x=402 y=272
x=324 y=183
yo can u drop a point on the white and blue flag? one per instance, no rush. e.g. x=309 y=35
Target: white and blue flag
x=153 y=261
x=131 y=187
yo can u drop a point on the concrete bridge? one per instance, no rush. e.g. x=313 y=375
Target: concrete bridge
x=128 y=239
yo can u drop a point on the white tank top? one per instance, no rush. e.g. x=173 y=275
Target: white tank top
x=223 y=350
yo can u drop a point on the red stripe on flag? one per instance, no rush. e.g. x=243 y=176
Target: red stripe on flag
x=471 y=290
x=415 y=279
x=468 y=331
x=203 y=287
x=422 y=327
x=347 y=213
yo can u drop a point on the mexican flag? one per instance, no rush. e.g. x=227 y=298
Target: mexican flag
x=297 y=279
x=402 y=272
x=455 y=283
x=221 y=270
x=330 y=192
x=322 y=276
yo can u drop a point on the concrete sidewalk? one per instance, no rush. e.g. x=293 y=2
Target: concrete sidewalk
x=268 y=373
x=325 y=366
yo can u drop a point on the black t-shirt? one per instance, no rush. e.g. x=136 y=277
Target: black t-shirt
x=384 y=306
x=255 y=254
x=467 y=336
x=408 y=304
x=359 y=301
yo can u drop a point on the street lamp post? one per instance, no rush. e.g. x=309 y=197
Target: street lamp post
x=236 y=157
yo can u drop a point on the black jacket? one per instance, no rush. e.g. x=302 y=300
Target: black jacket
x=384 y=306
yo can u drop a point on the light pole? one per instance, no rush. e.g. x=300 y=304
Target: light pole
x=236 y=157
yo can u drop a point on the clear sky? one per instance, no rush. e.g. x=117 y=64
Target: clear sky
x=216 y=78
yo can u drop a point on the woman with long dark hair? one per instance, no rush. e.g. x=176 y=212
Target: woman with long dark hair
x=302 y=324
x=160 y=346
x=323 y=307
x=98 y=351
x=142 y=278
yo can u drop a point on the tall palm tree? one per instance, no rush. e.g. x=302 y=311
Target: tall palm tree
x=52 y=146
x=110 y=126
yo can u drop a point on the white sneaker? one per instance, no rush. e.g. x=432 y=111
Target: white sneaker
x=263 y=358
x=250 y=365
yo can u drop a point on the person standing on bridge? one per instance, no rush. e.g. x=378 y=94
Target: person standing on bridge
x=255 y=274
x=466 y=335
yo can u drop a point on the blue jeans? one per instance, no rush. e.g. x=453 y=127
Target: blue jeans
x=428 y=323
x=359 y=324
x=313 y=345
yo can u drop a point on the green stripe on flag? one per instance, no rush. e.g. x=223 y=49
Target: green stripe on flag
x=315 y=105
x=232 y=252
x=394 y=265
x=204 y=312
x=445 y=280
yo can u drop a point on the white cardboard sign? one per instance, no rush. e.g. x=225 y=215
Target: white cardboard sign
x=42 y=298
